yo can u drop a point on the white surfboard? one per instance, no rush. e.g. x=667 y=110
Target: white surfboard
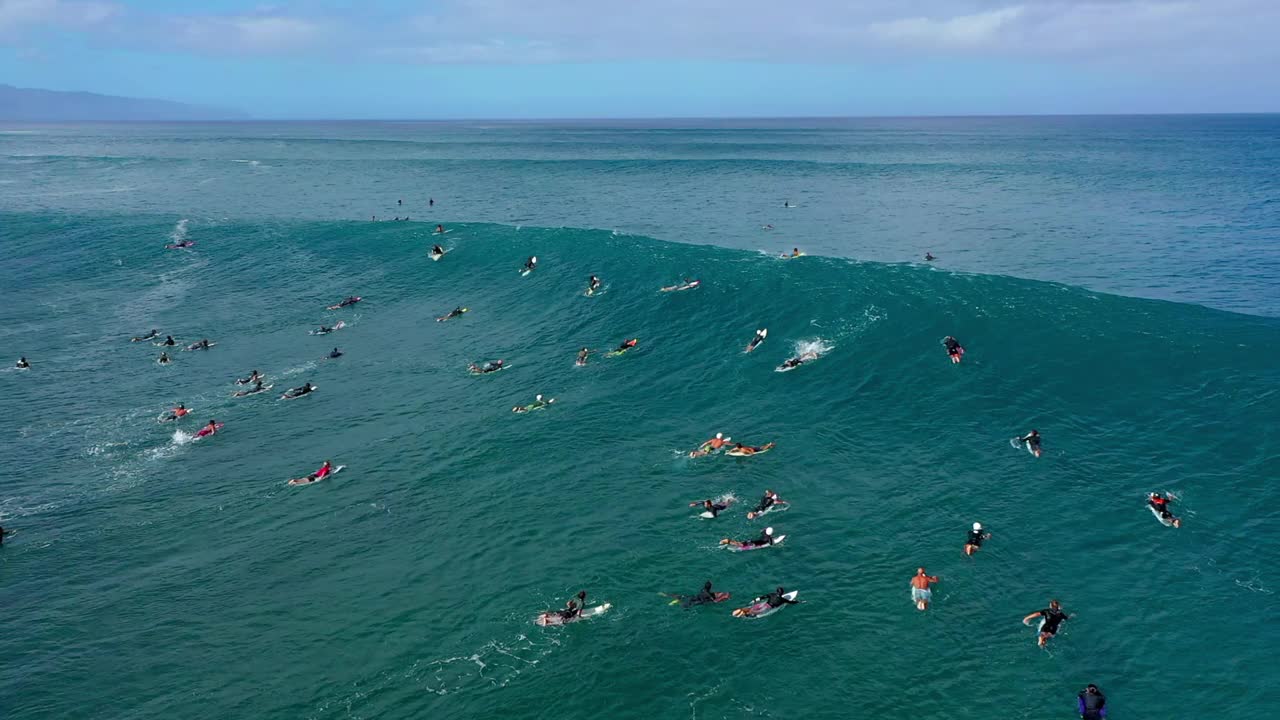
x=1163 y=520
x=295 y=397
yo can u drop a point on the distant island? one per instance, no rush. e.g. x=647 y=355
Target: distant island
x=32 y=105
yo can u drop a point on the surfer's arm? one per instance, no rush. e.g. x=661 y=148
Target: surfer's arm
x=1030 y=617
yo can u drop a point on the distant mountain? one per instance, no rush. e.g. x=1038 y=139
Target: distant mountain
x=30 y=105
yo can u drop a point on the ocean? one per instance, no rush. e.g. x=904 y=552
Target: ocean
x=1115 y=282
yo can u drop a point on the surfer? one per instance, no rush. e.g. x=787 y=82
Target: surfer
x=324 y=330
x=797 y=361
x=759 y=338
x=23 y=364
x=202 y=345
x=582 y=357
x=209 y=429
x=767 y=502
x=452 y=314
x=306 y=389
x=684 y=284
x=766 y=538
x=254 y=376
x=488 y=367
x=976 y=536
x=316 y=476
x=531 y=264
x=766 y=227
x=431 y=202
x=163 y=359
x=920 y=592
x=1091 y=703
x=625 y=346
x=149 y=336
x=335 y=354
x=777 y=598
x=437 y=250
x=705 y=596
x=1160 y=503
x=169 y=341
x=3 y=532
x=1053 y=617
x=439 y=229
x=593 y=285
x=573 y=609
x=1032 y=441
x=537 y=404
x=740 y=449
x=787 y=204
x=795 y=253
x=257 y=388
x=928 y=256
x=712 y=507
x=178 y=412
x=954 y=350
x=352 y=300
x=716 y=443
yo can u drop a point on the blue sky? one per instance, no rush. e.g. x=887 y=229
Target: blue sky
x=655 y=58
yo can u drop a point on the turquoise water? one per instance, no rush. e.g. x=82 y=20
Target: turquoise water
x=151 y=577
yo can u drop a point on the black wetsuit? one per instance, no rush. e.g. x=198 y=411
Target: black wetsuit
x=1092 y=706
x=1161 y=505
x=976 y=537
x=1052 y=619
x=953 y=346
x=570 y=612
x=766 y=502
x=764 y=539
x=775 y=599
x=1032 y=441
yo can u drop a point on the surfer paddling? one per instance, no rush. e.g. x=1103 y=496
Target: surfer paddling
x=323 y=472
x=955 y=350
x=1052 y=617
x=759 y=338
x=351 y=300
x=711 y=506
x=974 y=542
x=716 y=443
x=766 y=504
x=23 y=364
x=1160 y=504
x=765 y=539
x=149 y=336
x=1031 y=441
x=921 y=594
x=209 y=429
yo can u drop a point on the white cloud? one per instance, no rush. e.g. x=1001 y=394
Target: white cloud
x=1151 y=33
x=979 y=30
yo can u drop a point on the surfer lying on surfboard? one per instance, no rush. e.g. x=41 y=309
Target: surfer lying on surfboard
x=257 y=388
x=178 y=412
x=593 y=285
x=740 y=450
x=254 y=377
x=537 y=404
x=797 y=361
x=352 y=300
x=759 y=338
x=149 y=336
x=209 y=429
x=1032 y=442
x=306 y=389
x=769 y=502
x=488 y=367
x=1160 y=504
x=714 y=508
x=705 y=596
x=687 y=284
x=325 y=470
x=768 y=603
x=456 y=312
x=955 y=351
x=766 y=539
x=716 y=443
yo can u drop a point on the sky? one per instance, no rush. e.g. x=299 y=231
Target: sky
x=424 y=59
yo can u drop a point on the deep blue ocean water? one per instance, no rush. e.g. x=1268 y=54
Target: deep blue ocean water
x=1114 y=280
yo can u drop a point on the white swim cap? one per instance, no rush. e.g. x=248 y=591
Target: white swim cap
x=768 y=531
x=977 y=526
x=719 y=435
x=533 y=259
x=538 y=397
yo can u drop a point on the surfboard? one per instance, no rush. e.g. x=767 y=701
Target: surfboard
x=437 y=256
x=762 y=609
x=744 y=548
x=304 y=481
x=1163 y=520
x=552 y=618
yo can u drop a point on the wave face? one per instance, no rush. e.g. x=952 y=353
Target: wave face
x=1166 y=207
x=192 y=582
